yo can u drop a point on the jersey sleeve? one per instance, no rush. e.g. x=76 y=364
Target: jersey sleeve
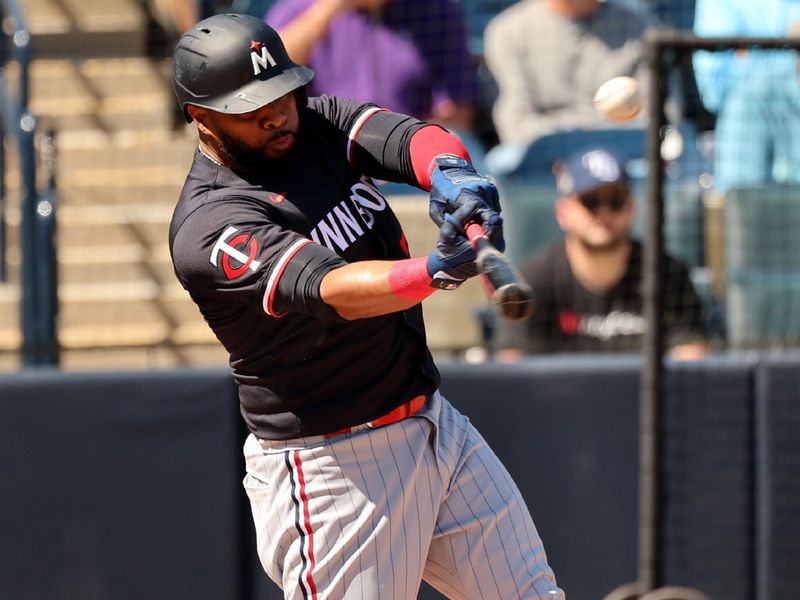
x=232 y=251
x=375 y=142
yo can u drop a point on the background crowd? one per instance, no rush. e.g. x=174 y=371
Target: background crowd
x=515 y=81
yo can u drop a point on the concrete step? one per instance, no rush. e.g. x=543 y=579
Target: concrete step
x=105 y=94
x=157 y=187
x=115 y=165
x=63 y=16
x=82 y=231
x=111 y=314
x=86 y=265
x=85 y=273
x=112 y=174
x=147 y=357
x=133 y=358
x=85 y=27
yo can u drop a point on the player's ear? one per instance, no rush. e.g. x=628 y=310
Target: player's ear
x=198 y=115
x=559 y=209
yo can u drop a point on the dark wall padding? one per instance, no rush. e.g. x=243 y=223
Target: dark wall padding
x=128 y=486
x=778 y=478
x=707 y=479
x=119 y=487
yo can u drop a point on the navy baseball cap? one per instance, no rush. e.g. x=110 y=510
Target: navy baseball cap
x=588 y=170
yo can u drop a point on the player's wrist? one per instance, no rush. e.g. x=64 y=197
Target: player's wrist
x=439 y=273
x=410 y=279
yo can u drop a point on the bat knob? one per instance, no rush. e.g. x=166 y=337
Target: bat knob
x=514 y=301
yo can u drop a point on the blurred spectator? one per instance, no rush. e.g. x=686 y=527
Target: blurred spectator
x=586 y=288
x=755 y=94
x=548 y=58
x=409 y=56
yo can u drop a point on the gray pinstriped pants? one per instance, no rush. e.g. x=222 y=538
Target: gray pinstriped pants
x=368 y=514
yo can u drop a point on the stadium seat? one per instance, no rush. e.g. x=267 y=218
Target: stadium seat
x=763 y=310
x=762 y=262
x=761 y=227
x=537 y=159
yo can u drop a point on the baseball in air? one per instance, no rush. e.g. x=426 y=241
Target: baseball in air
x=619 y=99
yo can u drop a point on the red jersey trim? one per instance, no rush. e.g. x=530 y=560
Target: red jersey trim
x=277 y=272
x=351 y=137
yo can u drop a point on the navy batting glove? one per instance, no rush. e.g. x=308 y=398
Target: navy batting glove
x=453 y=181
x=453 y=261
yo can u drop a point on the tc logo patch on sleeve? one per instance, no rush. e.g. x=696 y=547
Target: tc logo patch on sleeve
x=241 y=249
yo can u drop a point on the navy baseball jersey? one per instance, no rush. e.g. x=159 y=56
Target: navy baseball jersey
x=250 y=247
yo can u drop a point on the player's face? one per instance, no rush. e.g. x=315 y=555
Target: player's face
x=269 y=132
x=600 y=219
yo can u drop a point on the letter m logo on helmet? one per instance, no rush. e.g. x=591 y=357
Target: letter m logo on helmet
x=262 y=60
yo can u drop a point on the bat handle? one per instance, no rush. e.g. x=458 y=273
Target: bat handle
x=476 y=235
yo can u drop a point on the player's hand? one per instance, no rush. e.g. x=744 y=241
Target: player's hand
x=453 y=261
x=454 y=180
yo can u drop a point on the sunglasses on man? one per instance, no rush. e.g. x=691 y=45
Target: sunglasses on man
x=615 y=203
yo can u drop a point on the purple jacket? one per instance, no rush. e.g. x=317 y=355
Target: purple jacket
x=409 y=58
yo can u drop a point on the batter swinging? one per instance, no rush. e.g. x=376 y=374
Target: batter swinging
x=362 y=478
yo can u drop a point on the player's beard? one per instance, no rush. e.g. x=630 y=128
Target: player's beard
x=244 y=156
x=607 y=246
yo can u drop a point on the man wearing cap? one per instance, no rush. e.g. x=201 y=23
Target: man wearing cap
x=363 y=479
x=587 y=295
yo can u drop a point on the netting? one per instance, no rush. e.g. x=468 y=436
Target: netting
x=733 y=284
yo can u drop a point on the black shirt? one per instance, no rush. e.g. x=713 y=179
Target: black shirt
x=251 y=249
x=569 y=318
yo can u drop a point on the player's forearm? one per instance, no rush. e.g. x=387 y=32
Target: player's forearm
x=373 y=288
x=304 y=33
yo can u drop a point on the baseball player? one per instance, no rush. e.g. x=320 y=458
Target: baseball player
x=362 y=478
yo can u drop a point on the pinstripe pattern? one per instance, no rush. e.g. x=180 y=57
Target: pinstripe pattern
x=367 y=515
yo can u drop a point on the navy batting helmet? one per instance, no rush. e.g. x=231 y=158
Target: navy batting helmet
x=233 y=64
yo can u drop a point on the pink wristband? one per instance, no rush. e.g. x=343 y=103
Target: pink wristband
x=409 y=279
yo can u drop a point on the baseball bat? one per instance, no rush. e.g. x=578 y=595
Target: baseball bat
x=511 y=296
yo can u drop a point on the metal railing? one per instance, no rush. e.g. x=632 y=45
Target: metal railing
x=38 y=273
